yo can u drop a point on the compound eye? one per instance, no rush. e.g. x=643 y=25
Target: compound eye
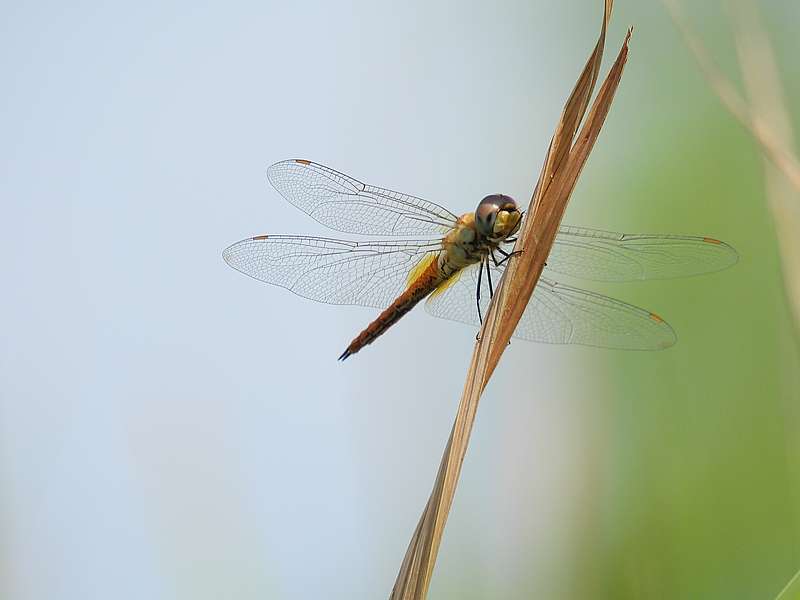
x=486 y=213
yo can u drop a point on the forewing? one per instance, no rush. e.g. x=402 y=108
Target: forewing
x=559 y=314
x=610 y=256
x=332 y=271
x=346 y=204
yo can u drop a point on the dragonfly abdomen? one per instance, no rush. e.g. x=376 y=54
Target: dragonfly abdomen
x=428 y=280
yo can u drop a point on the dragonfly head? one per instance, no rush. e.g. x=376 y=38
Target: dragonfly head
x=497 y=216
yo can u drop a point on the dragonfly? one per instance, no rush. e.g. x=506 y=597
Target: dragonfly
x=422 y=251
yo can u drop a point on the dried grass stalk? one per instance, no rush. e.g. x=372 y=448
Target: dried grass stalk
x=565 y=159
x=765 y=116
x=792 y=589
x=770 y=141
x=767 y=100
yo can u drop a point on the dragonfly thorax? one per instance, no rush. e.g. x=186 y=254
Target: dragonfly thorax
x=467 y=244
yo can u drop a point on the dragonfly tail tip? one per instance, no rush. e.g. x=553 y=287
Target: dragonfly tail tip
x=345 y=354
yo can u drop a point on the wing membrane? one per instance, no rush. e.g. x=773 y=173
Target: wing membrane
x=346 y=204
x=559 y=314
x=332 y=271
x=609 y=256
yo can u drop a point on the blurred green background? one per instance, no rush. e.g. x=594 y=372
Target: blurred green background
x=697 y=462
x=170 y=429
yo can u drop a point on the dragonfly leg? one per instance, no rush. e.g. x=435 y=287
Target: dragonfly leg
x=491 y=287
x=506 y=255
x=489 y=275
x=478 y=295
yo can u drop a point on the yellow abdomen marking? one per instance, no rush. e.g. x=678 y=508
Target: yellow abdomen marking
x=442 y=287
x=427 y=269
x=422 y=268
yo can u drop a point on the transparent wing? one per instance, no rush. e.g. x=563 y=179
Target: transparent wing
x=346 y=204
x=333 y=271
x=610 y=256
x=559 y=314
